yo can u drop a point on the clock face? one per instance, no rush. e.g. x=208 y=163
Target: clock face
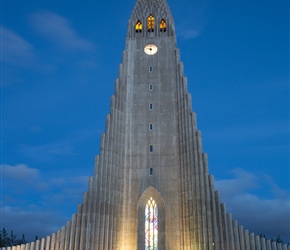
x=150 y=49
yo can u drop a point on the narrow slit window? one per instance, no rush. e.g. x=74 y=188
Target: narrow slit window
x=138 y=27
x=150 y=87
x=151 y=171
x=151 y=225
x=150 y=126
x=150 y=148
x=150 y=69
x=150 y=106
x=150 y=23
x=162 y=25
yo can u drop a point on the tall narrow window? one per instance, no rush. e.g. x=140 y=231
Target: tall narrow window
x=162 y=25
x=150 y=106
x=150 y=24
x=151 y=225
x=150 y=148
x=138 y=26
x=151 y=171
x=150 y=69
x=150 y=126
x=150 y=87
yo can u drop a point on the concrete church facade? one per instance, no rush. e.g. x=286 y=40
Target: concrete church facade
x=151 y=188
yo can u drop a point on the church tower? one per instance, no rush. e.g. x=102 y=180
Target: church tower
x=151 y=188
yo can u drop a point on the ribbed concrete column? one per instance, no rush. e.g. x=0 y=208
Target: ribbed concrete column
x=258 y=242
x=219 y=221
x=224 y=227
x=32 y=246
x=42 y=243
x=67 y=235
x=57 y=240
x=268 y=244
x=72 y=232
x=37 y=245
x=47 y=241
x=27 y=246
x=263 y=243
x=252 y=241
x=62 y=237
x=52 y=244
x=247 y=239
x=236 y=235
x=274 y=245
x=230 y=231
x=242 y=238
x=78 y=228
x=213 y=215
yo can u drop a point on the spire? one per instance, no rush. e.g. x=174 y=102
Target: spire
x=151 y=18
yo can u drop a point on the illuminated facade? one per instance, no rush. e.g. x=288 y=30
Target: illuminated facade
x=151 y=188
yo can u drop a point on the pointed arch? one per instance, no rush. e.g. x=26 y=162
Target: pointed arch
x=162 y=25
x=138 y=26
x=150 y=23
x=151 y=220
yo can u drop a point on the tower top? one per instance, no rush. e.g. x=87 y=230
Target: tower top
x=151 y=18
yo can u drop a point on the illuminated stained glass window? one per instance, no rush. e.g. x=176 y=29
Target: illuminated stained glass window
x=150 y=23
x=162 y=25
x=151 y=225
x=138 y=26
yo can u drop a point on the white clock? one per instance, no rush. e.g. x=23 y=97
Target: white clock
x=150 y=49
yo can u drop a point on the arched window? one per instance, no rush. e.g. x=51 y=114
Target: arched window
x=138 y=26
x=151 y=225
x=150 y=23
x=162 y=25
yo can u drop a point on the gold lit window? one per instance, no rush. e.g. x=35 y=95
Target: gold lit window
x=150 y=23
x=162 y=25
x=138 y=26
x=151 y=224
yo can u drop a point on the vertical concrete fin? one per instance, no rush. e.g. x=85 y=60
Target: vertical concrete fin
x=247 y=239
x=252 y=242
x=47 y=241
x=62 y=238
x=242 y=238
x=72 y=232
x=236 y=235
x=224 y=226
x=258 y=242
x=96 y=165
x=230 y=231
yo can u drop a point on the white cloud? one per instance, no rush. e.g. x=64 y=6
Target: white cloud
x=15 y=49
x=47 y=152
x=196 y=19
x=44 y=209
x=20 y=172
x=33 y=221
x=59 y=30
x=242 y=195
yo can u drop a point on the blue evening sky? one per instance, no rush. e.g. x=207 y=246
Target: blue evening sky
x=59 y=63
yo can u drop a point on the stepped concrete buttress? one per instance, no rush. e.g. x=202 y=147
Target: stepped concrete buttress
x=151 y=149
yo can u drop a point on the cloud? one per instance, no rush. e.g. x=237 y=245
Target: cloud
x=15 y=49
x=47 y=152
x=196 y=19
x=20 y=172
x=32 y=221
x=59 y=30
x=243 y=197
x=42 y=210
